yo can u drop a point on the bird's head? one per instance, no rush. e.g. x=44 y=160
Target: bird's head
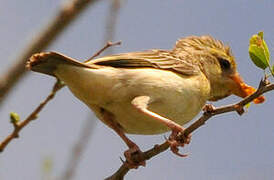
x=218 y=64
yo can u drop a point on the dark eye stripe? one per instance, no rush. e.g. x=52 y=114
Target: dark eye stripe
x=225 y=64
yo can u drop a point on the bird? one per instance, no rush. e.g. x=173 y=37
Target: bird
x=151 y=91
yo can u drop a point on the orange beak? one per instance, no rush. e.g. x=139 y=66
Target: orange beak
x=243 y=90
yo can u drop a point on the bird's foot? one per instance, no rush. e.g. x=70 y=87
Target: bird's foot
x=134 y=157
x=178 y=139
x=208 y=108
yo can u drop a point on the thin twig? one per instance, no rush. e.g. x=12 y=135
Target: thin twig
x=19 y=125
x=157 y=149
x=67 y=13
x=111 y=22
x=108 y=44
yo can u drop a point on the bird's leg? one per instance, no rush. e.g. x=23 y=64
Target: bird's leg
x=141 y=103
x=133 y=148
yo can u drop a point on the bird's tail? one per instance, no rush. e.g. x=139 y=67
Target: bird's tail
x=47 y=62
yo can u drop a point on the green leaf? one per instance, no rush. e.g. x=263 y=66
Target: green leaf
x=258 y=51
x=272 y=69
x=257 y=56
x=14 y=118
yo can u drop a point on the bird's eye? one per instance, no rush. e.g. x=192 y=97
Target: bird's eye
x=225 y=64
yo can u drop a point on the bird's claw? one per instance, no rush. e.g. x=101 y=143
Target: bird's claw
x=208 y=108
x=134 y=157
x=176 y=140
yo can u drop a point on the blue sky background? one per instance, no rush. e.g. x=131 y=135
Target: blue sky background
x=227 y=147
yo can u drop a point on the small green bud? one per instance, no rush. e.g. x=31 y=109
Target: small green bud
x=261 y=34
x=258 y=51
x=47 y=165
x=247 y=106
x=14 y=118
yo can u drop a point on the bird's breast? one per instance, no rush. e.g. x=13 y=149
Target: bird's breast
x=177 y=97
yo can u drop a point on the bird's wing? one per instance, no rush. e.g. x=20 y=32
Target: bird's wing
x=159 y=59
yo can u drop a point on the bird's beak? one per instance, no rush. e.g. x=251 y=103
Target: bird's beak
x=243 y=90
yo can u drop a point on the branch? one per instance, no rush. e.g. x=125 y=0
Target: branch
x=69 y=12
x=19 y=125
x=209 y=111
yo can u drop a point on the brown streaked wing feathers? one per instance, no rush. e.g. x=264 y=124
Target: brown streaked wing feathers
x=159 y=59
